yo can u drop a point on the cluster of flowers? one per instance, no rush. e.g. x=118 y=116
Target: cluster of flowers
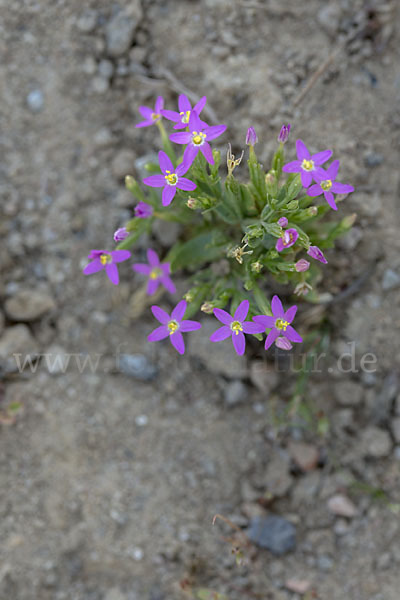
x=196 y=138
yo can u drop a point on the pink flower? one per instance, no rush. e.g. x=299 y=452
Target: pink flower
x=197 y=139
x=157 y=272
x=327 y=185
x=280 y=324
x=235 y=326
x=316 y=253
x=172 y=326
x=306 y=164
x=182 y=117
x=151 y=116
x=171 y=179
x=288 y=238
x=102 y=259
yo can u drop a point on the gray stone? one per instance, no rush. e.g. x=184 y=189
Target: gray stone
x=87 y=21
x=395 y=426
x=348 y=393
x=166 y=232
x=342 y=506
x=106 y=69
x=218 y=357
x=274 y=533
x=137 y=366
x=351 y=239
x=35 y=100
x=100 y=85
x=120 y=30
x=390 y=280
x=17 y=340
x=373 y=159
x=123 y=163
x=375 y=442
x=278 y=478
x=115 y=594
x=263 y=377
x=235 y=392
x=306 y=488
x=329 y=17
x=28 y=305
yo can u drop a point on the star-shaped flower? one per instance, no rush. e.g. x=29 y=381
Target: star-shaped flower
x=280 y=324
x=157 y=273
x=235 y=326
x=151 y=115
x=102 y=259
x=306 y=164
x=182 y=117
x=197 y=139
x=173 y=326
x=327 y=185
x=171 y=179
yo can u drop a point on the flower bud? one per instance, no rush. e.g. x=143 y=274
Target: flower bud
x=207 y=307
x=251 y=137
x=302 y=265
x=312 y=211
x=283 y=221
x=348 y=221
x=193 y=203
x=143 y=210
x=121 y=234
x=256 y=267
x=293 y=205
x=284 y=133
x=283 y=343
x=316 y=253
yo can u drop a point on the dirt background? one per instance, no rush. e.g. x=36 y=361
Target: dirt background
x=110 y=478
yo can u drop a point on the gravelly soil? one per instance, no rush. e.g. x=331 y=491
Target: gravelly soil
x=109 y=484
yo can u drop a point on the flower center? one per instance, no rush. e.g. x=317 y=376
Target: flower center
x=198 y=138
x=287 y=238
x=326 y=185
x=307 y=165
x=155 y=273
x=173 y=326
x=281 y=324
x=105 y=259
x=236 y=326
x=155 y=116
x=171 y=178
x=185 y=116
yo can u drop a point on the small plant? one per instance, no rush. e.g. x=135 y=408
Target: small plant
x=236 y=235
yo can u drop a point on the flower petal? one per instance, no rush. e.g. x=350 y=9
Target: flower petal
x=221 y=334
x=152 y=257
x=160 y=314
x=146 y=112
x=120 y=255
x=241 y=311
x=321 y=157
x=189 y=325
x=141 y=268
x=200 y=105
x=271 y=337
x=206 y=151
x=251 y=327
x=159 y=105
x=306 y=178
x=302 y=151
x=154 y=181
x=277 y=308
x=168 y=194
x=94 y=267
x=179 y=311
x=329 y=197
x=315 y=190
x=152 y=286
x=214 y=131
x=292 y=334
x=112 y=272
x=239 y=342
x=181 y=137
x=190 y=154
x=341 y=188
x=158 y=334
x=223 y=316
x=292 y=167
x=171 y=115
x=333 y=170
x=194 y=122
x=185 y=184
x=265 y=320
x=168 y=284
x=184 y=103
x=182 y=168
x=165 y=163
x=290 y=314
x=177 y=342
x=147 y=123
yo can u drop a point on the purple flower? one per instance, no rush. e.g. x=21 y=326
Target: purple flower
x=327 y=185
x=182 y=117
x=120 y=235
x=306 y=164
x=280 y=324
x=172 y=326
x=283 y=221
x=284 y=133
x=316 y=253
x=197 y=139
x=302 y=265
x=235 y=326
x=102 y=259
x=157 y=272
x=143 y=210
x=171 y=178
x=251 y=137
x=151 y=116
x=288 y=238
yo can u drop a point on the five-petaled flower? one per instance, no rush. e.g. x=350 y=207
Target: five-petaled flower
x=327 y=185
x=151 y=115
x=235 y=326
x=171 y=179
x=289 y=237
x=143 y=210
x=280 y=324
x=308 y=165
x=316 y=253
x=197 y=139
x=182 y=117
x=102 y=259
x=173 y=326
x=157 y=273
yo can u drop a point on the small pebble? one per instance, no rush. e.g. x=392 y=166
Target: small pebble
x=390 y=280
x=87 y=21
x=35 y=101
x=141 y=420
x=100 y=85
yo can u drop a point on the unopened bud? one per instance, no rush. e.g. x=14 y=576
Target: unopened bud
x=193 y=203
x=283 y=221
x=302 y=265
x=283 y=343
x=251 y=137
x=284 y=133
x=293 y=205
x=121 y=234
x=348 y=221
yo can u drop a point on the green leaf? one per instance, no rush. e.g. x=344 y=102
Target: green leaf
x=200 y=249
x=261 y=300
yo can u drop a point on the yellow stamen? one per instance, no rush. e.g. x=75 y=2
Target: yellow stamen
x=198 y=138
x=105 y=259
x=155 y=273
x=326 y=185
x=173 y=326
x=236 y=326
x=307 y=165
x=281 y=324
x=185 y=116
x=171 y=179
x=155 y=116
